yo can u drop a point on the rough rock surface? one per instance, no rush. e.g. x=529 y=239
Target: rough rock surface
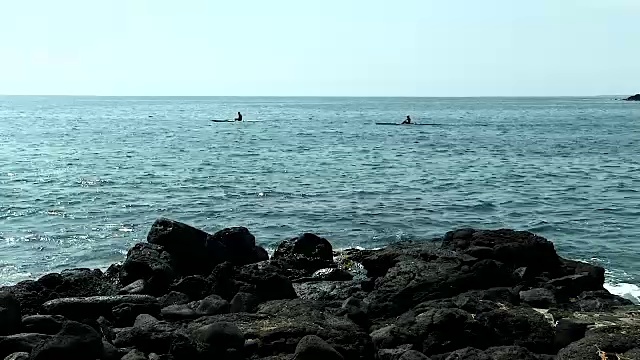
x=185 y=294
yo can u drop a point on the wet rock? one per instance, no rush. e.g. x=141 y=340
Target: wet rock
x=138 y=287
x=10 y=314
x=572 y=285
x=519 y=326
x=307 y=252
x=327 y=290
x=20 y=343
x=539 y=298
x=18 y=356
x=212 y=305
x=194 y=286
x=173 y=298
x=244 y=302
x=125 y=314
x=312 y=347
x=610 y=339
x=43 y=324
x=74 y=341
x=413 y=355
x=151 y=263
x=220 y=336
x=94 y=306
x=332 y=274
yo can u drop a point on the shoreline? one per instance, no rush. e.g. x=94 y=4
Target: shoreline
x=186 y=294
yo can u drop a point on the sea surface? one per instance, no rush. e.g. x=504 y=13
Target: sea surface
x=83 y=178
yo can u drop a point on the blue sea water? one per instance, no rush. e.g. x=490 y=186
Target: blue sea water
x=83 y=178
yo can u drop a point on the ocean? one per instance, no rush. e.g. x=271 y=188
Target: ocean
x=83 y=178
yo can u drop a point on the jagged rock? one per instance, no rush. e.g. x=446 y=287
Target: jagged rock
x=519 y=326
x=635 y=97
x=512 y=353
x=312 y=347
x=332 y=274
x=43 y=324
x=110 y=352
x=601 y=300
x=244 y=302
x=150 y=263
x=10 y=314
x=517 y=248
x=94 y=306
x=539 y=298
x=178 y=312
x=150 y=335
x=75 y=341
x=610 y=339
x=468 y=353
x=20 y=343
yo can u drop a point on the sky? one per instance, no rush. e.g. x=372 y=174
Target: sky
x=320 y=47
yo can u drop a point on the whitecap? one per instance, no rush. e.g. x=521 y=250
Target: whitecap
x=625 y=290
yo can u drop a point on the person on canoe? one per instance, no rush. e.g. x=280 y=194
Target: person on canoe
x=407 y=121
x=239 y=118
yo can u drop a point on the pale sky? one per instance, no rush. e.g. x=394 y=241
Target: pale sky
x=320 y=47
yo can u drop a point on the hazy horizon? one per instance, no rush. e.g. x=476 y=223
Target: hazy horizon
x=410 y=48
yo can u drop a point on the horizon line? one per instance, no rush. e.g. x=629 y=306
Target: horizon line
x=313 y=96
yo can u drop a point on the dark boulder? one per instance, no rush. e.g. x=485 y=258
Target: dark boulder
x=135 y=355
x=178 y=312
x=468 y=353
x=635 y=97
x=125 y=314
x=244 y=302
x=433 y=331
x=413 y=355
x=42 y=324
x=307 y=253
x=411 y=282
x=10 y=314
x=539 y=298
x=20 y=343
x=211 y=305
x=601 y=300
x=267 y=284
x=514 y=248
x=75 y=341
x=219 y=337
x=173 y=298
x=151 y=263
x=312 y=347
x=94 y=306
x=279 y=325
x=68 y=283
x=150 y=335
x=195 y=286
x=518 y=326
x=568 y=331
x=240 y=246
x=610 y=340
x=138 y=287
x=572 y=285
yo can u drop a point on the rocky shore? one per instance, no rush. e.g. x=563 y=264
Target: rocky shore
x=635 y=97
x=186 y=294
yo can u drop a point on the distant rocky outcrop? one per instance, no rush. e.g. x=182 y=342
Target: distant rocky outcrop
x=635 y=97
x=185 y=294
